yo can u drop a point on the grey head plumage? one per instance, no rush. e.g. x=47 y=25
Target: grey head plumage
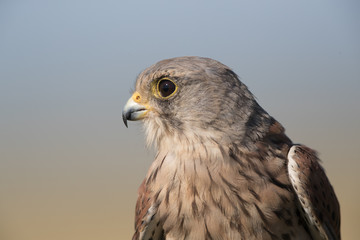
x=209 y=96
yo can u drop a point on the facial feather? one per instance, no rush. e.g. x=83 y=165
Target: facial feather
x=210 y=97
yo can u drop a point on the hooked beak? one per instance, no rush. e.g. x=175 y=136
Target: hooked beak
x=133 y=110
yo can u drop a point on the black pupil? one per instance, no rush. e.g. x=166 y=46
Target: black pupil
x=166 y=88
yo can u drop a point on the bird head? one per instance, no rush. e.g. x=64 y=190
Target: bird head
x=192 y=98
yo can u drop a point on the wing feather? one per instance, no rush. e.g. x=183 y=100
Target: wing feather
x=147 y=227
x=316 y=196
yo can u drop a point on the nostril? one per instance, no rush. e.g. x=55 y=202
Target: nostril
x=136 y=97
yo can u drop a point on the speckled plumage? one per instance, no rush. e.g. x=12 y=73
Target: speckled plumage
x=222 y=169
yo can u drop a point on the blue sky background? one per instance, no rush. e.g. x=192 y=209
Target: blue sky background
x=69 y=169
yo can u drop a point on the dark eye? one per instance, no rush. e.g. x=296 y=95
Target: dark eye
x=166 y=88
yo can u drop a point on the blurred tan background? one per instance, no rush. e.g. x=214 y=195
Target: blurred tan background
x=69 y=169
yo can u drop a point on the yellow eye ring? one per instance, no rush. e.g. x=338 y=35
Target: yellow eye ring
x=165 y=88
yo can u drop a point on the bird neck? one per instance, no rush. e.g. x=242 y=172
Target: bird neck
x=195 y=136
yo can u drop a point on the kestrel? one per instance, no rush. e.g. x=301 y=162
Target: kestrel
x=224 y=167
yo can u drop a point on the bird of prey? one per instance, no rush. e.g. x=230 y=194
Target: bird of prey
x=224 y=167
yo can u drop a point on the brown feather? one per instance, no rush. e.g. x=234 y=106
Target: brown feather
x=315 y=193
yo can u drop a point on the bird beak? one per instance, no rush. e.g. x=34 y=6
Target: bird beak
x=133 y=110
